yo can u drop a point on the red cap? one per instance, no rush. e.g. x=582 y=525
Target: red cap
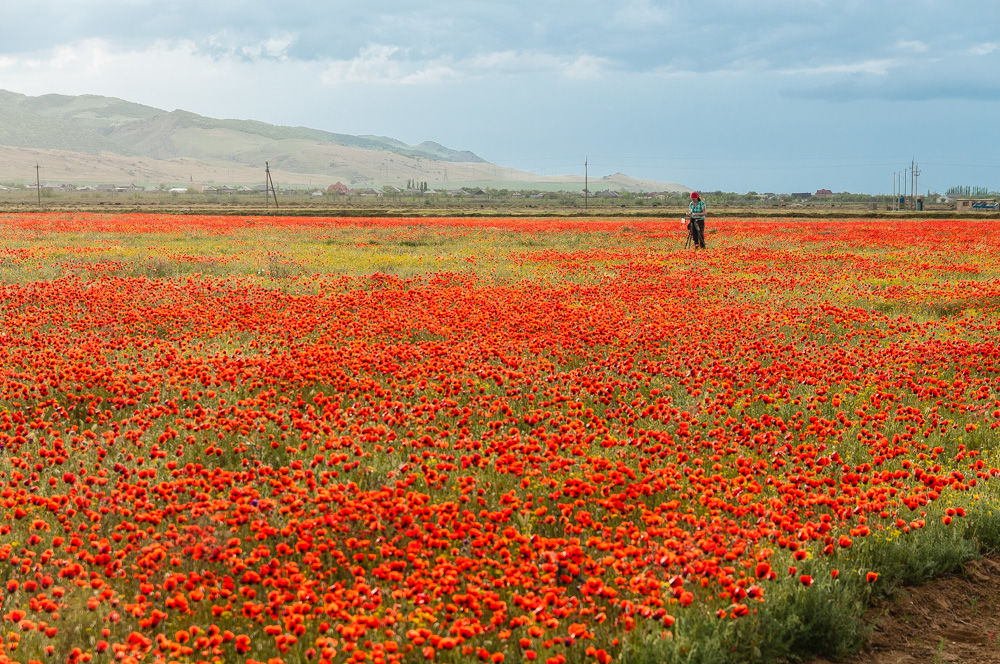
x=694 y=194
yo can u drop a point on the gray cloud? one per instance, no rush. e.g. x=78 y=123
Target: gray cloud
x=936 y=72
x=816 y=42
x=638 y=34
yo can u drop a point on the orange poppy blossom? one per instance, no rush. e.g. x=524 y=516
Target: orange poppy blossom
x=308 y=464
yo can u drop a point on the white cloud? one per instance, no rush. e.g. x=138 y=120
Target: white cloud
x=535 y=62
x=165 y=74
x=87 y=57
x=273 y=47
x=876 y=67
x=227 y=44
x=373 y=64
x=586 y=67
x=984 y=49
x=435 y=72
x=913 y=46
x=94 y=55
x=511 y=62
x=97 y=66
x=532 y=62
x=379 y=63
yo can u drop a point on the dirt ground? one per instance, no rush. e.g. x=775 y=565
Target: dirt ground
x=952 y=619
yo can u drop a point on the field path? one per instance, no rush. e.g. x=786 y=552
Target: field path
x=952 y=619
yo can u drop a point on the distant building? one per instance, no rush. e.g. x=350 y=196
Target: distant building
x=977 y=205
x=823 y=193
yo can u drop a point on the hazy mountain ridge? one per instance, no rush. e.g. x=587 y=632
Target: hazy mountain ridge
x=92 y=123
x=130 y=142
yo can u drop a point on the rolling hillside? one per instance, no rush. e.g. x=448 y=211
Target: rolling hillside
x=90 y=139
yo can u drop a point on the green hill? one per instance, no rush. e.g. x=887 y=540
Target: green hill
x=93 y=139
x=90 y=123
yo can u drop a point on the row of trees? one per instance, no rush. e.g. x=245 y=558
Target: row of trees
x=971 y=192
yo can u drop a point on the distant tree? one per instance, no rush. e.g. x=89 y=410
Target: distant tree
x=968 y=191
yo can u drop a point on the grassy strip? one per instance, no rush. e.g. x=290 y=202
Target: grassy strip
x=827 y=618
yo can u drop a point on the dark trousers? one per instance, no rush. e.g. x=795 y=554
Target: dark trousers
x=697 y=229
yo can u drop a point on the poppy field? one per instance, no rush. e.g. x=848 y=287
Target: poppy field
x=232 y=439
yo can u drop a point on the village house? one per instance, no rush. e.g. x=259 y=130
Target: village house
x=977 y=205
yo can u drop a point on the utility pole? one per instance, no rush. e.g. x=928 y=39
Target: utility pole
x=913 y=199
x=916 y=175
x=269 y=185
x=906 y=184
x=38 y=185
x=586 y=193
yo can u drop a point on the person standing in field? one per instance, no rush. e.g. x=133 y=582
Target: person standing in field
x=696 y=220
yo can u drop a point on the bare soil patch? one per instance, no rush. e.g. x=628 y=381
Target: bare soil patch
x=955 y=618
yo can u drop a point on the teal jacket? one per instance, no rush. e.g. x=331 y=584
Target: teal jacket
x=697 y=208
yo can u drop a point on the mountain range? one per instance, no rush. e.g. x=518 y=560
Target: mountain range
x=90 y=139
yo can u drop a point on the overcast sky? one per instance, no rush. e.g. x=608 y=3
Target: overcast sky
x=764 y=95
